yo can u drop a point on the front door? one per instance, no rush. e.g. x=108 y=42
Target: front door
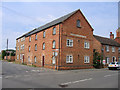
x=113 y=59
x=43 y=60
x=23 y=59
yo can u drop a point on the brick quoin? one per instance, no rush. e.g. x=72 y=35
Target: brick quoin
x=65 y=29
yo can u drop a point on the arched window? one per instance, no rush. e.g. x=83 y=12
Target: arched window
x=35 y=47
x=43 y=46
x=78 y=23
x=29 y=49
x=54 y=31
x=54 y=44
x=35 y=59
x=43 y=34
x=35 y=36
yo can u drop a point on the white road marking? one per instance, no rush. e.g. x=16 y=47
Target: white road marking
x=76 y=81
x=107 y=75
x=8 y=76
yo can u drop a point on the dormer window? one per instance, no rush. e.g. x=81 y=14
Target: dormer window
x=78 y=23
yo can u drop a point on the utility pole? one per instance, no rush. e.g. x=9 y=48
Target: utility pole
x=7 y=49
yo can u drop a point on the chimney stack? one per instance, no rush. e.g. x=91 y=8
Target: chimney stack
x=111 y=36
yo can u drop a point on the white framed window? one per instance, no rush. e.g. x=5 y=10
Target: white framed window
x=35 y=59
x=86 y=45
x=86 y=59
x=17 y=57
x=28 y=58
x=54 y=31
x=113 y=49
x=18 y=48
x=119 y=59
x=29 y=48
x=107 y=60
x=35 y=47
x=107 y=48
x=21 y=57
x=54 y=44
x=36 y=37
x=78 y=23
x=29 y=39
x=23 y=38
x=23 y=47
x=119 y=49
x=43 y=46
x=43 y=34
x=18 y=40
x=69 y=43
x=69 y=59
x=53 y=60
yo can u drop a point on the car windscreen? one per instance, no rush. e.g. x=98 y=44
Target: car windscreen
x=112 y=63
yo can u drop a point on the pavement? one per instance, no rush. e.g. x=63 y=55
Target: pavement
x=22 y=76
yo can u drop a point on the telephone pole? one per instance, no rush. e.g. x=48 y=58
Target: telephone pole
x=7 y=49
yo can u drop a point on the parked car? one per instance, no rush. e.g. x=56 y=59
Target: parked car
x=114 y=65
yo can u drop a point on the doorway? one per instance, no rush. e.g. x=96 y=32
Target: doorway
x=43 y=60
x=113 y=59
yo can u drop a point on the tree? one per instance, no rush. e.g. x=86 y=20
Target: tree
x=96 y=59
x=3 y=54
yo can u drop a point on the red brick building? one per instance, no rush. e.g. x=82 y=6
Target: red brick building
x=65 y=43
x=109 y=48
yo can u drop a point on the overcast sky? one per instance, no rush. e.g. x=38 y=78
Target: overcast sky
x=21 y=17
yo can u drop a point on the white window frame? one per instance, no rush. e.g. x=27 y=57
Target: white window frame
x=18 y=48
x=53 y=60
x=43 y=46
x=35 y=59
x=107 y=59
x=18 y=40
x=69 y=42
x=54 y=30
x=119 y=49
x=54 y=44
x=29 y=48
x=107 y=48
x=69 y=59
x=35 y=36
x=113 y=49
x=35 y=47
x=17 y=57
x=23 y=47
x=21 y=56
x=28 y=58
x=86 y=45
x=43 y=34
x=86 y=59
x=30 y=39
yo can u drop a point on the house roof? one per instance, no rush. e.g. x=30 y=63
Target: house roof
x=52 y=23
x=106 y=41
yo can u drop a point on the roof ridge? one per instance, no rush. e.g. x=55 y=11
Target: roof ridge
x=53 y=22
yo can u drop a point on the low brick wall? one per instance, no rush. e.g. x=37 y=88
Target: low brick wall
x=10 y=58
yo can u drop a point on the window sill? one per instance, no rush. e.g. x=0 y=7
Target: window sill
x=86 y=63
x=69 y=62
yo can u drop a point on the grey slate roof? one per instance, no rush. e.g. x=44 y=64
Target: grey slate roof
x=107 y=41
x=52 y=23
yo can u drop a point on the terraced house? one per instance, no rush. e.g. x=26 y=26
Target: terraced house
x=109 y=48
x=65 y=43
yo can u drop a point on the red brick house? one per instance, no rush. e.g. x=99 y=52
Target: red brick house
x=108 y=47
x=65 y=43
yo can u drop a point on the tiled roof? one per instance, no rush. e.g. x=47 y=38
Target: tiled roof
x=106 y=41
x=52 y=23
